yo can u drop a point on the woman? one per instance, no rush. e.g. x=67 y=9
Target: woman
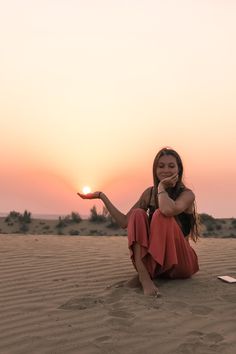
x=160 y=224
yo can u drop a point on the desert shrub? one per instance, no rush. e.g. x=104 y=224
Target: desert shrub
x=210 y=227
x=25 y=218
x=112 y=224
x=24 y=228
x=61 y=223
x=208 y=221
x=75 y=217
x=218 y=227
x=69 y=219
x=233 y=222
x=13 y=215
x=46 y=227
x=74 y=232
x=95 y=217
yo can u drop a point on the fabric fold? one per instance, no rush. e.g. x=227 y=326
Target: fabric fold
x=164 y=249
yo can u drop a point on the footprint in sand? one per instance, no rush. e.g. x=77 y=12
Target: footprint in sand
x=199 y=343
x=200 y=310
x=229 y=298
x=82 y=303
x=120 y=313
x=103 y=339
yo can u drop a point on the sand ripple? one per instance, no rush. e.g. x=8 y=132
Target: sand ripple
x=62 y=294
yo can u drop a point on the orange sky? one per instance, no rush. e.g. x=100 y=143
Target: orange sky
x=91 y=90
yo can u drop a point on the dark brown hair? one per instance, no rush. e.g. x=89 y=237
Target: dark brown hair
x=177 y=189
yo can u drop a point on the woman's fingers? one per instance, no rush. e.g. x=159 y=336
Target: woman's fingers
x=86 y=196
x=93 y=195
x=170 y=181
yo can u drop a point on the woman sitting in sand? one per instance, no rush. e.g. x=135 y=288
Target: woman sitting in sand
x=160 y=224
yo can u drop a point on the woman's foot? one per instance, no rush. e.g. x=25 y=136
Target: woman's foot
x=149 y=288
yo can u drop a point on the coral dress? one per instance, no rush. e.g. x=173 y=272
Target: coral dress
x=165 y=250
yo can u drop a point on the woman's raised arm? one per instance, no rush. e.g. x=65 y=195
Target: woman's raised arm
x=120 y=218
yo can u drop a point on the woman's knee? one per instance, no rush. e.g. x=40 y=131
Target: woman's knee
x=158 y=215
x=137 y=214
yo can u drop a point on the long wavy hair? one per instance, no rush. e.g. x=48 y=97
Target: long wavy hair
x=175 y=191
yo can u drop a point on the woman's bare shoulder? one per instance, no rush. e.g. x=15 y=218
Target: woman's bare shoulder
x=189 y=196
x=146 y=193
x=189 y=192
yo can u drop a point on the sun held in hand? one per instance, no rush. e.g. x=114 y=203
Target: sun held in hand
x=86 y=190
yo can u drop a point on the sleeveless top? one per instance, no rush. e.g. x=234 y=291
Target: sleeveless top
x=184 y=220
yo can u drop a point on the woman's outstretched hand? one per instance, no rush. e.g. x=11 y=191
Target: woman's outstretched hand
x=94 y=195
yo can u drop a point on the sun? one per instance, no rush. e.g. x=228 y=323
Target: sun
x=86 y=189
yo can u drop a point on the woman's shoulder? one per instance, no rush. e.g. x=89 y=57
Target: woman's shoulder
x=190 y=198
x=146 y=193
x=146 y=196
x=188 y=191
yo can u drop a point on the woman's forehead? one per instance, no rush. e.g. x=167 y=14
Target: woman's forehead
x=167 y=159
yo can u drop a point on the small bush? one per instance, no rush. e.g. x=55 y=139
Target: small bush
x=13 y=215
x=112 y=223
x=208 y=221
x=210 y=227
x=46 y=227
x=75 y=217
x=74 y=232
x=61 y=223
x=25 y=218
x=233 y=222
x=95 y=217
x=24 y=228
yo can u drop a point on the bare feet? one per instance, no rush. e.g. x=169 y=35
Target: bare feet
x=149 y=288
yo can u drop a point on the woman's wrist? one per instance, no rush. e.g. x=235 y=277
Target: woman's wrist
x=161 y=189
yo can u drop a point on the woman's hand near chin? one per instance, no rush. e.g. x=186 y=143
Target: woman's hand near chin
x=94 y=195
x=169 y=182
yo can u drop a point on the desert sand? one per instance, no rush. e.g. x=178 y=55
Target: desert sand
x=65 y=294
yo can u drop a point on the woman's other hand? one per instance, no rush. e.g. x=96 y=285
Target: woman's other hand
x=94 y=195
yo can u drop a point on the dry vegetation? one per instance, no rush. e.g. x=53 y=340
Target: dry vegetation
x=97 y=224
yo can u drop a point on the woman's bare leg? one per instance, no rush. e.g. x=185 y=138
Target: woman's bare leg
x=148 y=286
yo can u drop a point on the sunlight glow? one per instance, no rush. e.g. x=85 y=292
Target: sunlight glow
x=86 y=189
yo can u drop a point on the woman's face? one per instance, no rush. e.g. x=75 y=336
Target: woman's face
x=166 y=167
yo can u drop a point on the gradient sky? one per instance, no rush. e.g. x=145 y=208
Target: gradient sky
x=91 y=90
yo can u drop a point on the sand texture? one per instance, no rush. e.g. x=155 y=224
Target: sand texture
x=65 y=294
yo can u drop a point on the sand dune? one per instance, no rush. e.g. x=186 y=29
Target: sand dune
x=69 y=295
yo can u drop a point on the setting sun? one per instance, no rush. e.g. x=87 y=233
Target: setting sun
x=86 y=189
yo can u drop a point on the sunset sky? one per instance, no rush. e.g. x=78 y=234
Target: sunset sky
x=90 y=90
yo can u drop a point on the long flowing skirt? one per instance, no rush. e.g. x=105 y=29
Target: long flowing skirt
x=164 y=249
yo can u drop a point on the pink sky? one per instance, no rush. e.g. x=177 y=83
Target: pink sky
x=92 y=90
